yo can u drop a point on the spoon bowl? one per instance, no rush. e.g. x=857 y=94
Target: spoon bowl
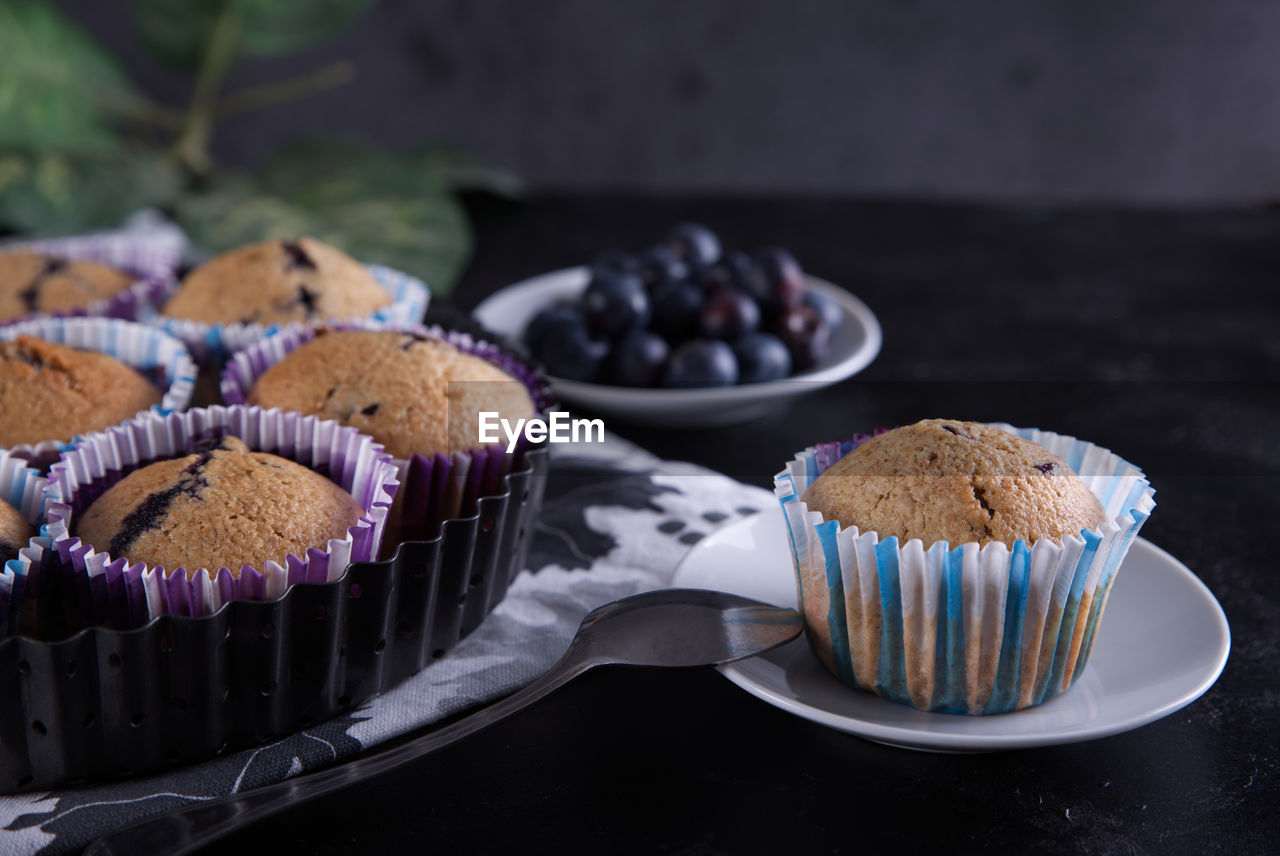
x=681 y=628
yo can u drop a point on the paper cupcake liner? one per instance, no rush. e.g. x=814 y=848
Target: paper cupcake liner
x=106 y=704
x=964 y=629
x=158 y=356
x=21 y=486
x=151 y=262
x=434 y=488
x=105 y=590
x=212 y=344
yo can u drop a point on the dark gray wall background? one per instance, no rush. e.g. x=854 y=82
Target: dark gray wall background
x=1134 y=101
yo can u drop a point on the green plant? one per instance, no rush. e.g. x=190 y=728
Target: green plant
x=80 y=146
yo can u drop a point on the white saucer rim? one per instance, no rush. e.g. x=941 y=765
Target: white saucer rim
x=908 y=737
x=845 y=367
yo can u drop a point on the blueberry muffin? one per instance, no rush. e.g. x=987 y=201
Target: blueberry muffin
x=36 y=282
x=277 y=282
x=223 y=506
x=15 y=531
x=958 y=567
x=410 y=392
x=943 y=480
x=53 y=392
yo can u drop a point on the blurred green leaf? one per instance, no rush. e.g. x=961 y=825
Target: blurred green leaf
x=320 y=170
x=178 y=31
x=464 y=171
x=375 y=206
x=272 y=28
x=50 y=193
x=327 y=172
x=59 y=89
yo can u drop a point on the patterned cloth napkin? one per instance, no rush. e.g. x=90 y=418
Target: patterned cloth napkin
x=615 y=521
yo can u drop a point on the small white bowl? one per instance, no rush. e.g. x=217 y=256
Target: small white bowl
x=853 y=347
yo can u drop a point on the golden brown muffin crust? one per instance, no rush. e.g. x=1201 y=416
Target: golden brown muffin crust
x=277 y=282
x=53 y=392
x=221 y=508
x=36 y=282
x=15 y=531
x=411 y=393
x=944 y=480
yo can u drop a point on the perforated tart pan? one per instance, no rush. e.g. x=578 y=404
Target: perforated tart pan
x=105 y=704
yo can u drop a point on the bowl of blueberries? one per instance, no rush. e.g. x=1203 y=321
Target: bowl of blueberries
x=685 y=333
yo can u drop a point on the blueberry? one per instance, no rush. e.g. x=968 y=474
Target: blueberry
x=728 y=314
x=761 y=357
x=714 y=278
x=806 y=336
x=746 y=275
x=826 y=307
x=694 y=244
x=637 y=359
x=784 y=280
x=675 y=310
x=659 y=265
x=553 y=321
x=572 y=355
x=613 y=261
x=701 y=363
x=615 y=303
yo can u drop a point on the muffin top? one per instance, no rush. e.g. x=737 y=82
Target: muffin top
x=53 y=392
x=15 y=531
x=36 y=282
x=412 y=393
x=222 y=506
x=943 y=480
x=277 y=282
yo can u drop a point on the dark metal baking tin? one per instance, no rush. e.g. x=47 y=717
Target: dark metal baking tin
x=107 y=704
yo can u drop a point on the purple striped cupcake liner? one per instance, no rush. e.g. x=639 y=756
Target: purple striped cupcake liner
x=213 y=344
x=434 y=488
x=99 y=589
x=22 y=487
x=151 y=263
x=960 y=629
x=159 y=357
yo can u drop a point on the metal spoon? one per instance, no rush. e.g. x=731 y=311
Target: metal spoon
x=670 y=627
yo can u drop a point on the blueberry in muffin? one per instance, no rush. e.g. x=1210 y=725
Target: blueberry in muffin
x=411 y=392
x=945 y=480
x=40 y=283
x=223 y=506
x=277 y=282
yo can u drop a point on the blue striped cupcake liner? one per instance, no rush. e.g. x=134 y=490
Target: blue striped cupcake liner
x=213 y=344
x=152 y=263
x=158 y=356
x=960 y=629
x=21 y=486
x=104 y=590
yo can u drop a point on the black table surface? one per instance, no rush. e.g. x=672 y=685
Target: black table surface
x=1153 y=333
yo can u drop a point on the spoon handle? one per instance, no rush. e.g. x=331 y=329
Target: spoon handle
x=184 y=829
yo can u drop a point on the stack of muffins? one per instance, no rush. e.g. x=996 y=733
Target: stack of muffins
x=73 y=360
x=352 y=436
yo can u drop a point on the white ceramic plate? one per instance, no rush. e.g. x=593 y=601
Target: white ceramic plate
x=1162 y=644
x=853 y=347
